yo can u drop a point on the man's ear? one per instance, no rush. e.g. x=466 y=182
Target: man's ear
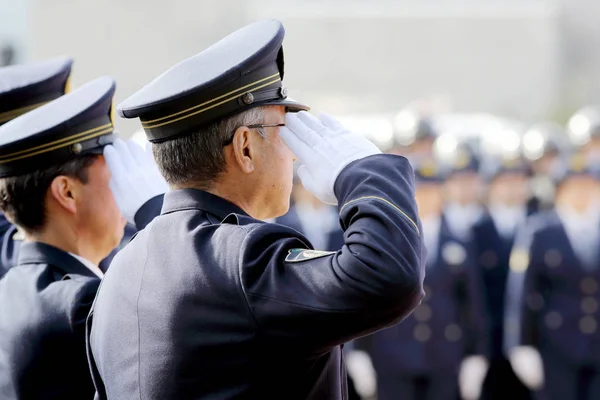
x=244 y=149
x=64 y=190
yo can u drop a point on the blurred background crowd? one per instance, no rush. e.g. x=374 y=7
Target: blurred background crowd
x=511 y=221
x=493 y=101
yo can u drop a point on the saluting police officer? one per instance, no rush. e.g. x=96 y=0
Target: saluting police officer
x=421 y=358
x=210 y=302
x=24 y=88
x=55 y=187
x=553 y=295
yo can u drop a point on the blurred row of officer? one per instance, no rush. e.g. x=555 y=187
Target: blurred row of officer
x=474 y=335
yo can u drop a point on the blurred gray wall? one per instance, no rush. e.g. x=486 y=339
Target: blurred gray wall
x=13 y=30
x=130 y=40
x=377 y=56
x=528 y=59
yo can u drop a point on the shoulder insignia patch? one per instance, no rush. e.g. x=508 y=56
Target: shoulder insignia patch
x=298 y=255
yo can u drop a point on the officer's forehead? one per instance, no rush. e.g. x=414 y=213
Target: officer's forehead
x=275 y=111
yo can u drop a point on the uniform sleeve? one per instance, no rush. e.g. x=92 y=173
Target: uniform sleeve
x=523 y=291
x=375 y=280
x=81 y=305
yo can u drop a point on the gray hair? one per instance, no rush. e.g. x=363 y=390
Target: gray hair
x=198 y=158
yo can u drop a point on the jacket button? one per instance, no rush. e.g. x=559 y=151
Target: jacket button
x=422 y=333
x=488 y=259
x=589 y=285
x=422 y=313
x=588 y=325
x=589 y=305
x=553 y=320
x=453 y=333
x=535 y=301
x=553 y=258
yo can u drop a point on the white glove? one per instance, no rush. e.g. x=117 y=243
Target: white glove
x=360 y=369
x=135 y=176
x=527 y=363
x=323 y=148
x=473 y=370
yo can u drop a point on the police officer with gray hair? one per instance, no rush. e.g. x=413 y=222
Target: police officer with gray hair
x=210 y=301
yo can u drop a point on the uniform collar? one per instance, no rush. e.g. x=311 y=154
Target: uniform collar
x=42 y=253
x=90 y=265
x=194 y=199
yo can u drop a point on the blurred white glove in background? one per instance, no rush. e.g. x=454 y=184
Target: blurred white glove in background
x=473 y=370
x=527 y=363
x=360 y=369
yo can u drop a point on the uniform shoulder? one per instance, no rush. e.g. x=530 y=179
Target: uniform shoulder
x=253 y=226
x=72 y=291
x=261 y=239
x=63 y=297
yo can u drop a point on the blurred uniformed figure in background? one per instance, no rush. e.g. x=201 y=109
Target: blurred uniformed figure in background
x=553 y=298
x=584 y=131
x=544 y=144
x=414 y=135
x=507 y=174
x=463 y=186
x=421 y=358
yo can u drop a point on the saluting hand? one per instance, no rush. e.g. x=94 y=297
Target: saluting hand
x=135 y=176
x=323 y=147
